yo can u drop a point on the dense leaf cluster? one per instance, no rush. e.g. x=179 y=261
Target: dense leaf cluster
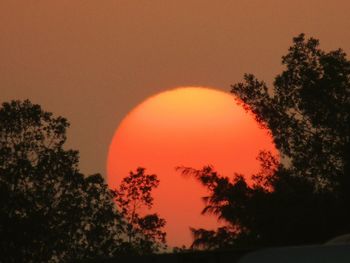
x=305 y=197
x=49 y=211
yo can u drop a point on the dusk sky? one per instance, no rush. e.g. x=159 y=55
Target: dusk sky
x=94 y=61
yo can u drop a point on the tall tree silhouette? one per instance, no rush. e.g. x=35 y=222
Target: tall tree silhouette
x=133 y=197
x=49 y=212
x=305 y=198
x=307 y=111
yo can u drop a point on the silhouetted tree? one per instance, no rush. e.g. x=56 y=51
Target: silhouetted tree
x=306 y=197
x=134 y=196
x=307 y=111
x=49 y=212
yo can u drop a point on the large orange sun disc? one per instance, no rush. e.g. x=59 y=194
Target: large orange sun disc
x=187 y=126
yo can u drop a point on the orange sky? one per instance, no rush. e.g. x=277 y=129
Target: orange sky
x=93 y=61
x=189 y=127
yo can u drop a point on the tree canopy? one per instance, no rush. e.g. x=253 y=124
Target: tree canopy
x=306 y=110
x=303 y=197
x=134 y=197
x=49 y=211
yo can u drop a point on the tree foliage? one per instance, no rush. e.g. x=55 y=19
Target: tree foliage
x=305 y=197
x=307 y=111
x=144 y=233
x=49 y=212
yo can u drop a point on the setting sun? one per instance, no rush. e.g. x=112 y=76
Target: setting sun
x=187 y=126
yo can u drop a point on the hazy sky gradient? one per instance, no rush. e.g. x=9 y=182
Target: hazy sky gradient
x=93 y=61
